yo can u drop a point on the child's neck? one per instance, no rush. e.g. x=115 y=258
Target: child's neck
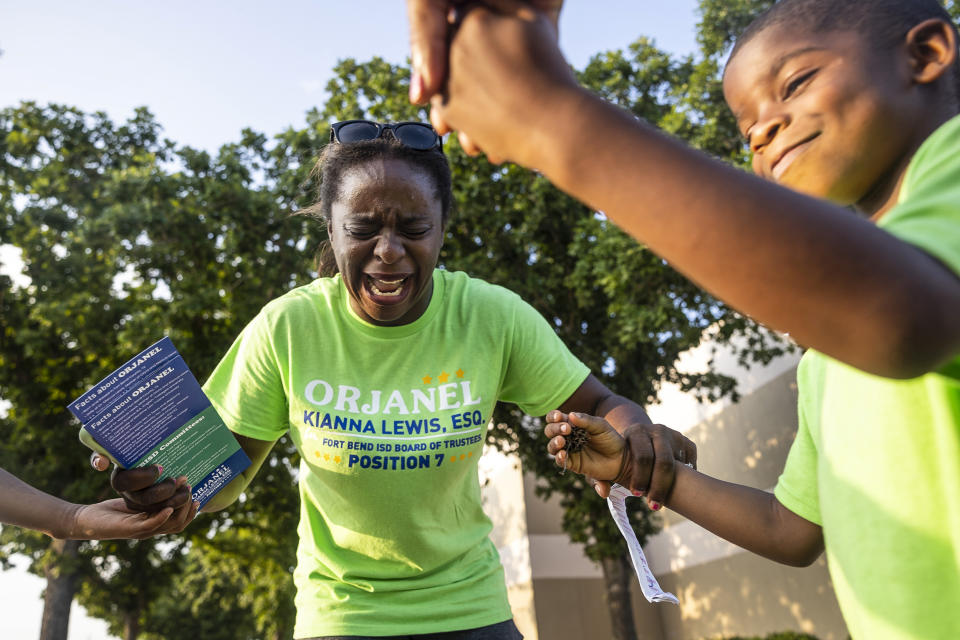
x=886 y=192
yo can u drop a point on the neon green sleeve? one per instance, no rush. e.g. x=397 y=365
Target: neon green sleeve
x=797 y=488
x=541 y=372
x=246 y=386
x=928 y=213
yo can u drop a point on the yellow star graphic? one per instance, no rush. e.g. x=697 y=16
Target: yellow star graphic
x=459 y=373
x=470 y=454
x=316 y=453
x=453 y=458
x=427 y=379
x=443 y=377
x=336 y=459
x=462 y=457
x=326 y=456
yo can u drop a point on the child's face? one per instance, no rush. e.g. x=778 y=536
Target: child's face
x=824 y=114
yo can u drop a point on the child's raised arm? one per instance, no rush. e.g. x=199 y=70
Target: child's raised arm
x=831 y=279
x=748 y=517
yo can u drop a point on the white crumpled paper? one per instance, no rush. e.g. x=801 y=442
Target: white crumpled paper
x=648 y=584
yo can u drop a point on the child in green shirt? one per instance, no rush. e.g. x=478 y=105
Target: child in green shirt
x=854 y=103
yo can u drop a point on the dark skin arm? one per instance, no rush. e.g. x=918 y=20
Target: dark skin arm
x=748 y=517
x=257 y=451
x=807 y=267
x=653 y=448
x=25 y=506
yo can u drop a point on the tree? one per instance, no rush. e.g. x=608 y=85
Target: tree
x=122 y=236
x=56 y=172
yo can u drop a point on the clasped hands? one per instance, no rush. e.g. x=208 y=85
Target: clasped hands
x=141 y=492
x=642 y=459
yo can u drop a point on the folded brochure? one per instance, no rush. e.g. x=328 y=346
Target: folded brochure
x=151 y=410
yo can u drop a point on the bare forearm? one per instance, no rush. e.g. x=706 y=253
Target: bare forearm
x=257 y=451
x=25 y=506
x=747 y=517
x=831 y=279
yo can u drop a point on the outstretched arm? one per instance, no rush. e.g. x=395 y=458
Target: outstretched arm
x=747 y=517
x=25 y=506
x=750 y=518
x=832 y=280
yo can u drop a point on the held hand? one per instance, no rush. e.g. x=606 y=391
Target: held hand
x=645 y=455
x=111 y=519
x=142 y=493
x=654 y=452
x=603 y=454
x=503 y=67
x=429 y=28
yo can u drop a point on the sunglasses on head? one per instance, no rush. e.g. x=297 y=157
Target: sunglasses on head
x=416 y=135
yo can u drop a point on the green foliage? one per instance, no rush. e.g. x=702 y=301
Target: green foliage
x=125 y=238
x=953 y=8
x=722 y=21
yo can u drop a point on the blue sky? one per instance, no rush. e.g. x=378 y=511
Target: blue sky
x=206 y=69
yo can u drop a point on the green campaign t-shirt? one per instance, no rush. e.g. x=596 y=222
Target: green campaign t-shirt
x=876 y=461
x=390 y=423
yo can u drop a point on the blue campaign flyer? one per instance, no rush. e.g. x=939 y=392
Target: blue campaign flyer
x=151 y=410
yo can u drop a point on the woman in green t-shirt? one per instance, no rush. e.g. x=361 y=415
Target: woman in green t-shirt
x=385 y=371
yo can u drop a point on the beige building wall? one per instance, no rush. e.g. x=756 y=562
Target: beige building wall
x=558 y=594
x=503 y=500
x=724 y=590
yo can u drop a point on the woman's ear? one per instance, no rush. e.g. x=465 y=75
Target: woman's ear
x=932 y=47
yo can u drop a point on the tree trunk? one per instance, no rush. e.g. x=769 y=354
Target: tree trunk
x=131 y=626
x=62 y=579
x=616 y=576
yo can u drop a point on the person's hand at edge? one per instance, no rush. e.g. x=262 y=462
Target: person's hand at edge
x=111 y=519
x=142 y=493
x=430 y=22
x=654 y=452
x=500 y=65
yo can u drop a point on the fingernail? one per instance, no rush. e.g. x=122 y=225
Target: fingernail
x=639 y=494
x=159 y=470
x=597 y=489
x=564 y=428
x=655 y=506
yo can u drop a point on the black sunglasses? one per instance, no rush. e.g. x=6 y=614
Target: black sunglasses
x=416 y=135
